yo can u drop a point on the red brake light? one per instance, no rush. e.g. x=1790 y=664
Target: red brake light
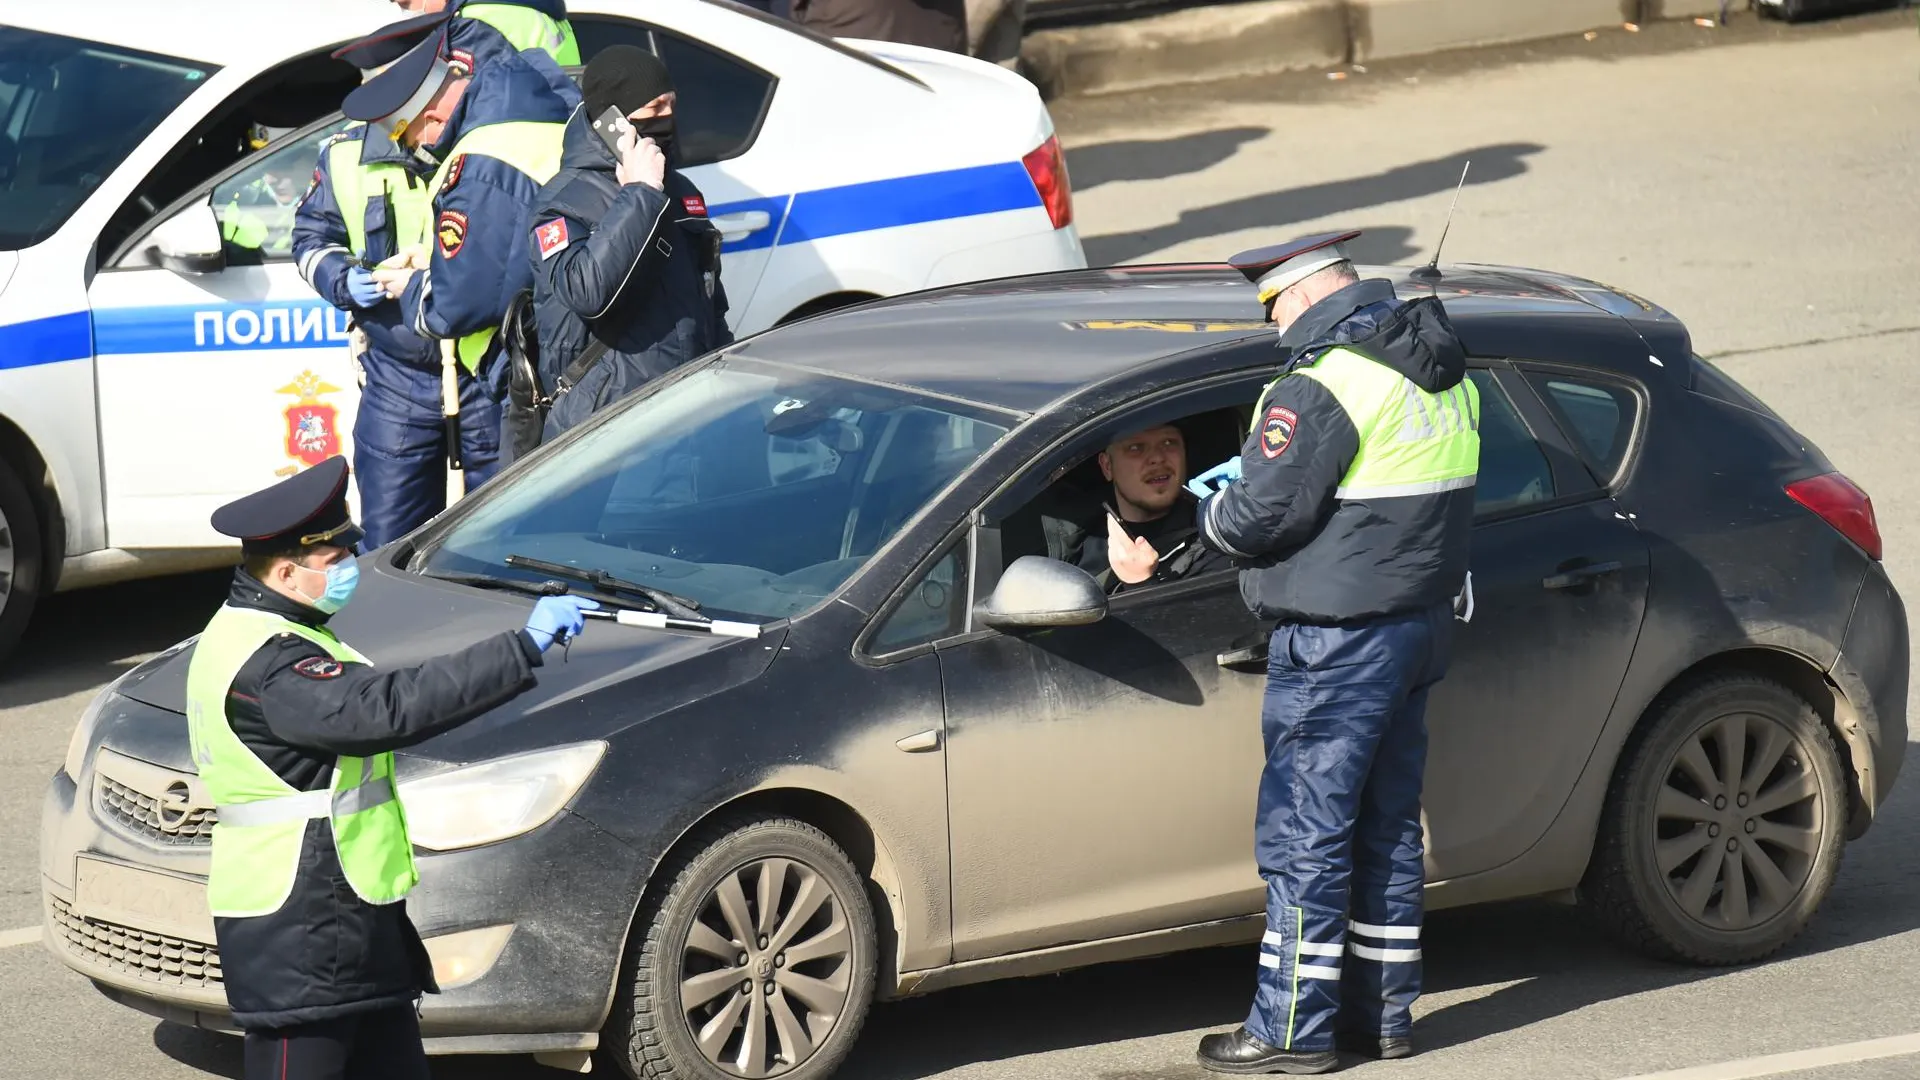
x=1841 y=505
x=1048 y=168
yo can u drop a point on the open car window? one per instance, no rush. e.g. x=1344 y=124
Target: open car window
x=753 y=489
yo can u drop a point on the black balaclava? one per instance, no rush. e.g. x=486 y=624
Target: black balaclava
x=626 y=77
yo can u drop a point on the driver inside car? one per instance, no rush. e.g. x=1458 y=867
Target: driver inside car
x=1149 y=532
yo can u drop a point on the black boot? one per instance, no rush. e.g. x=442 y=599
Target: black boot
x=1379 y=1047
x=1240 y=1052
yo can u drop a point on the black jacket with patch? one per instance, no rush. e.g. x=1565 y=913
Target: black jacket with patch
x=635 y=267
x=327 y=953
x=1305 y=555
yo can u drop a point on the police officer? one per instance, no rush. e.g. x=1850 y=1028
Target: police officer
x=494 y=131
x=293 y=733
x=526 y=24
x=1350 y=518
x=370 y=198
x=625 y=264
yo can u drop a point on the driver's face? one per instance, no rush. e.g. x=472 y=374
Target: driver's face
x=1148 y=469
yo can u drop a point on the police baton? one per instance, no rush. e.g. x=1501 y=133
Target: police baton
x=450 y=417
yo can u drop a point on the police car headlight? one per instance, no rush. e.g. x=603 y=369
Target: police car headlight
x=495 y=800
x=83 y=732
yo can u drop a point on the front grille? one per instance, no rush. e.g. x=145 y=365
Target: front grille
x=141 y=813
x=154 y=958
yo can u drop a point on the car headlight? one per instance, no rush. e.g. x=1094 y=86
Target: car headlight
x=495 y=800
x=83 y=732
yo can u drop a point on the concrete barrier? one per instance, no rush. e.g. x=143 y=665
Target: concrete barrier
x=1259 y=37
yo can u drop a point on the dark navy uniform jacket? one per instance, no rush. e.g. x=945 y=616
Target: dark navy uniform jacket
x=326 y=953
x=587 y=237
x=485 y=46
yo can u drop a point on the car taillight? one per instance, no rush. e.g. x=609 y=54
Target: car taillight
x=1842 y=505
x=1049 y=171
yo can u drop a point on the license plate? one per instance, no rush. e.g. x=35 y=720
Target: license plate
x=142 y=899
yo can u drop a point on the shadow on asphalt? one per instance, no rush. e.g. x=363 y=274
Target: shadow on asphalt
x=1155 y=159
x=1277 y=209
x=87 y=637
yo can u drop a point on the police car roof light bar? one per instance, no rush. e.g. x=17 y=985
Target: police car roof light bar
x=1431 y=271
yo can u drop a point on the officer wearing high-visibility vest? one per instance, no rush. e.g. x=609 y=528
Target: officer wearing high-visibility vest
x=369 y=199
x=528 y=24
x=1348 y=511
x=293 y=734
x=495 y=133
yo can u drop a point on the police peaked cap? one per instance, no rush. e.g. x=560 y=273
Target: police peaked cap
x=394 y=97
x=306 y=508
x=390 y=42
x=1275 y=268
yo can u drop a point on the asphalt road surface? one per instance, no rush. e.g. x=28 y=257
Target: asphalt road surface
x=1757 y=180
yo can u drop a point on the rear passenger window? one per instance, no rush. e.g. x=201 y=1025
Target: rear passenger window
x=720 y=99
x=1599 y=415
x=1513 y=470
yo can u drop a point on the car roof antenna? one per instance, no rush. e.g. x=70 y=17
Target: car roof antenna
x=1431 y=271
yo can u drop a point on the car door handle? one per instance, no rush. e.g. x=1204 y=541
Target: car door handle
x=921 y=743
x=735 y=226
x=1579 y=575
x=1248 y=658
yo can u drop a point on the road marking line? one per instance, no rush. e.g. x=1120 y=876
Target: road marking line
x=1794 y=1061
x=26 y=935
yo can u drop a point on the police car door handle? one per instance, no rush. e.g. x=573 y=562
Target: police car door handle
x=1579 y=575
x=1244 y=658
x=735 y=226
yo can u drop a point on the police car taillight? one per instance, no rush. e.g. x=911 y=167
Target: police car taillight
x=1049 y=171
x=1841 y=504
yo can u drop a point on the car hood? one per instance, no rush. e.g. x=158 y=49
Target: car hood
x=612 y=677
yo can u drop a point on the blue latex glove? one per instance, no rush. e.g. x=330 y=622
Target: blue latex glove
x=1226 y=473
x=364 y=291
x=558 y=618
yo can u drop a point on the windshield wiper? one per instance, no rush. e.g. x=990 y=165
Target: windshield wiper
x=487 y=581
x=662 y=600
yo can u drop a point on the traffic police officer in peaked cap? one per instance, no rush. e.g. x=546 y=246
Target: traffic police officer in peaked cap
x=293 y=734
x=1348 y=512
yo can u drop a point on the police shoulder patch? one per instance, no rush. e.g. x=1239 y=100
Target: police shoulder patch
x=551 y=237
x=453 y=172
x=320 y=667
x=451 y=232
x=1276 y=431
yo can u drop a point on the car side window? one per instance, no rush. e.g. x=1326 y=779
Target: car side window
x=1598 y=414
x=256 y=204
x=934 y=607
x=1514 y=471
x=721 y=98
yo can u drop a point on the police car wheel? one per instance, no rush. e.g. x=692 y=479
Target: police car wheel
x=20 y=559
x=1724 y=825
x=757 y=960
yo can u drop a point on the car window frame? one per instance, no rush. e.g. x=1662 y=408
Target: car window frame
x=653 y=30
x=1573 y=482
x=131 y=247
x=960 y=536
x=1536 y=372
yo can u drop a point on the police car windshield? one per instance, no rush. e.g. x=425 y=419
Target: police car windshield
x=752 y=489
x=71 y=111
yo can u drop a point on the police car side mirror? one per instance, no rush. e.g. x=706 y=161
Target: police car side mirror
x=1037 y=592
x=188 y=242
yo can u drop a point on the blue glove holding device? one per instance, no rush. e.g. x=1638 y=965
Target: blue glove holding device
x=558 y=618
x=362 y=289
x=1226 y=473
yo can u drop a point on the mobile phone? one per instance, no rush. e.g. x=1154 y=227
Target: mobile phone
x=608 y=127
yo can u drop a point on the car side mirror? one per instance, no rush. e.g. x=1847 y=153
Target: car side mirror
x=188 y=242
x=1037 y=592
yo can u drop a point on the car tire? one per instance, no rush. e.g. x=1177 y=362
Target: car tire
x=22 y=560
x=1663 y=880
x=818 y=1003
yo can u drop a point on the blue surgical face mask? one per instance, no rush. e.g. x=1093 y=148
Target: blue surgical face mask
x=342 y=578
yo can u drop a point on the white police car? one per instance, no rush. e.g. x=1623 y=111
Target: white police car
x=155 y=362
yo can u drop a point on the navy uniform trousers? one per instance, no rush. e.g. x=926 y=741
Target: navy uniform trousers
x=400 y=447
x=379 y=1045
x=1338 y=834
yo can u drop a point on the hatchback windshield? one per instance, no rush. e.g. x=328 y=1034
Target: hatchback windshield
x=70 y=112
x=752 y=489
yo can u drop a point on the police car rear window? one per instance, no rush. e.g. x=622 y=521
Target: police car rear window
x=71 y=111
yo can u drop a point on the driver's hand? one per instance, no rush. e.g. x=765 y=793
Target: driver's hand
x=1131 y=557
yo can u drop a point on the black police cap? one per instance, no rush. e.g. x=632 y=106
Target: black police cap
x=388 y=92
x=391 y=42
x=1269 y=264
x=308 y=507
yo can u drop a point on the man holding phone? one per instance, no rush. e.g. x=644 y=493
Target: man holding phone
x=626 y=266
x=1151 y=532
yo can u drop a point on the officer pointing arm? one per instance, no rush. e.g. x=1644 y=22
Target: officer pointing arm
x=293 y=734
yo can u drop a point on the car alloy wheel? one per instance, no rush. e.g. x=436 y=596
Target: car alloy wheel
x=1724 y=824
x=766 y=968
x=1739 y=822
x=20 y=558
x=753 y=956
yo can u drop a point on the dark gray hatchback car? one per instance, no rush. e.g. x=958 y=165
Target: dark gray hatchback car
x=916 y=749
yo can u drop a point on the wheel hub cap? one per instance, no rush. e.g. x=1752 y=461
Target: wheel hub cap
x=766 y=969
x=1745 y=777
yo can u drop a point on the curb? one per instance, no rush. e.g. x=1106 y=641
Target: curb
x=1265 y=37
